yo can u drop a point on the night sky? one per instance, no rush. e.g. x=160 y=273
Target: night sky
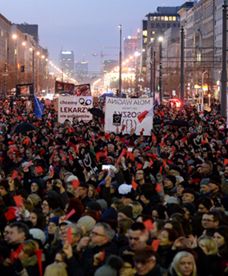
x=85 y=26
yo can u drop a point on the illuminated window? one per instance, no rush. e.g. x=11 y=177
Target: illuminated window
x=174 y=18
x=198 y=57
x=166 y=18
x=145 y=33
x=170 y=18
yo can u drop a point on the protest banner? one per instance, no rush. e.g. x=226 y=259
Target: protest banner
x=82 y=90
x=70 y=107
x=136 y=113
x=64 y=88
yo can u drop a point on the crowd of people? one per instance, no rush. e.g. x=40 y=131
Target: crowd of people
x=75 y=200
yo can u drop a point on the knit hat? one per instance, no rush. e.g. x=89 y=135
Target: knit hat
x=105 y=270
x=127 y=211
x=54 y=220
x=204 y=181
x=124 y=189
x=172 y=200
x=109 y=214
x=86 y=223
x=93 y=205
x=37 y=234
x=103 y=204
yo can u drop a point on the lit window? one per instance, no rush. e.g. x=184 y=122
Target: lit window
x=145 y=33
x=174 y=18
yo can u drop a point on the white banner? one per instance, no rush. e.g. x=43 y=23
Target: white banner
x=72 y=106
x=134 y=113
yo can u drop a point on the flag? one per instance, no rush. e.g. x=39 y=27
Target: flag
x=38 y=107
x=144 y=114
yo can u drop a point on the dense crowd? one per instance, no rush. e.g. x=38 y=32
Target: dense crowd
x=159 y=207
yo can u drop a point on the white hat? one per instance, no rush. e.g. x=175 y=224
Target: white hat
x=124 y=189
x=38 y=234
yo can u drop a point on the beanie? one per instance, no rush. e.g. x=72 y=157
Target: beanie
x=86 y=223
x=37 y=234
x=105 y=270
x=124 y=189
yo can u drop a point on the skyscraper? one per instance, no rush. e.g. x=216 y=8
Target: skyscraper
x=67 y=62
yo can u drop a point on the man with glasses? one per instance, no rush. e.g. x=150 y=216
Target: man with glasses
x=145 y=263
x=101 y=245
x=210 y=222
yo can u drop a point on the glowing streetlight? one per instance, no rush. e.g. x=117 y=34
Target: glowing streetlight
x=120 y=59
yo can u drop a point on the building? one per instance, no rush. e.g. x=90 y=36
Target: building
x=81 y=68
x=109 y=64
x=22 y=59
x=31 y=29
x=202 y=26
x=154 y=26
x=67 y=62
x=130 y=46
x=171 y=62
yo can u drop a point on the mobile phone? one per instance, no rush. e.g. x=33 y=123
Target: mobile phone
x=129 y=149
x=106 y=167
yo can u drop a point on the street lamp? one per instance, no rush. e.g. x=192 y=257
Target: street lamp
x=120 y=59
x=31 y=49
x=14 y=37
x=160 y=39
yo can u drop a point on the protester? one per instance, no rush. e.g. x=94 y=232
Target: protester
x=167 y=191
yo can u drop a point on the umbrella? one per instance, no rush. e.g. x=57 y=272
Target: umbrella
x=23 y=128
x=96 y=112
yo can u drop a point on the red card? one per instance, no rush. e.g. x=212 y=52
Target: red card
x=71 y=213
x=75 y=183
x=158 y=188
x=134 y=184
x=14 y=174
x=148 y=224
x=155 y=245
x=19 y=201
x=69 y=235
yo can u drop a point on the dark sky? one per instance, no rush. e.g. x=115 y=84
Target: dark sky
x=84 y=26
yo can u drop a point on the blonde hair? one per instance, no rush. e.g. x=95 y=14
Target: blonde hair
x=56 y=269
x=176 y=262
x=208 y=245
x=136 y=209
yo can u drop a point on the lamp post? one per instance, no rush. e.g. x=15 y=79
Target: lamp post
x=182 y=65
x=160 y=39
x=120 y=60
x=14 y=37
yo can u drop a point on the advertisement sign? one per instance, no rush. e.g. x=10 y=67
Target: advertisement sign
x=82 y=90
x=134 y=113
x=70 y=107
